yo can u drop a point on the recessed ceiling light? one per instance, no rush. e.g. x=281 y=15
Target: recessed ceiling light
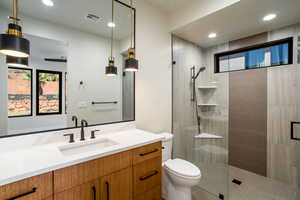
x=48 y=3
x=269 y=17
x=212 y=35
x=111 y=24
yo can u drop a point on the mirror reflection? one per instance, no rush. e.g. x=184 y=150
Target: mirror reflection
x=64 y=79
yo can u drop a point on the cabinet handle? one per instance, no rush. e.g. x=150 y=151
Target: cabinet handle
x=149 y=152
x=107 y=189
x=153 y=173
x=23 y=195
x=94 y=192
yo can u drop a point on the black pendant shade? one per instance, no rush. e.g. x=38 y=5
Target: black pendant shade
x=16 y=61
x=13 y=44
x=131 y=64
x=111 y=69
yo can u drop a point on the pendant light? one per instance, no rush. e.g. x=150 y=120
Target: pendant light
x=111 y=69
x=16 y=61
x=12 y=43
x=131 y=64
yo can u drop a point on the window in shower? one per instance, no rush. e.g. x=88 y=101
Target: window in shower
x=269 y=54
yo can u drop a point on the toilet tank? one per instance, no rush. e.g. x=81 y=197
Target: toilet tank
x=167 y=144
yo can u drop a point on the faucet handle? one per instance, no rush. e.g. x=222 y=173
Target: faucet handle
x=71 y=137
x=93 y=134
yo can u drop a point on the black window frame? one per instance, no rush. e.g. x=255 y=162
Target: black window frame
x=31 y=93
x=38 y=71
x=289 y=41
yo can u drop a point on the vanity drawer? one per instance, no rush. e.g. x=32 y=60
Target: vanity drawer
x=34 y=188
x=75 y=175
x=153 y=194
x=146 y=152
x=146 y=175
x=87 y=191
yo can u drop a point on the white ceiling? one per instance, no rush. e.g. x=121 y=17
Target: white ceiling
x=170 y=5
x=72 y=13
x=240 y=20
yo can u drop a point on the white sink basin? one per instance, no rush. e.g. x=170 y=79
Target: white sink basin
x=86 y=146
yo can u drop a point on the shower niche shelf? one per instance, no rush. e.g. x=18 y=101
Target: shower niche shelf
x=203 y=87
x=208 y=136
x=208 y=85
x=207 y=104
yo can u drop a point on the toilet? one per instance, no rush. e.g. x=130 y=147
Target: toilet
x=179 y=176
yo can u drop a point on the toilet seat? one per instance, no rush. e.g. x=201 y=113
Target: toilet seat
x=183 y=168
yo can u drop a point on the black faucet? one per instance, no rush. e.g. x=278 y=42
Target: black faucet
x=75 y=119
x=83 y=124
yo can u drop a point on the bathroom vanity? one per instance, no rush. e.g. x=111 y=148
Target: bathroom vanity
x=128 y=169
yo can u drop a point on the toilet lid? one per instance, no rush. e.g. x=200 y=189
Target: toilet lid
x=183 y=167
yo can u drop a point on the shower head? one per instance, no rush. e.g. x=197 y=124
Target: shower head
x=200 y=70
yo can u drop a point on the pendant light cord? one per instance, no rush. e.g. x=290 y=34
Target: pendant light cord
x=15 y=8
x=112 y=28
x=131 y=24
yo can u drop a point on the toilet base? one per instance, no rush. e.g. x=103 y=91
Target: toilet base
x=171 y=191
x=179 y=193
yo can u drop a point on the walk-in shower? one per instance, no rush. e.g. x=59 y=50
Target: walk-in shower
x=232 y=118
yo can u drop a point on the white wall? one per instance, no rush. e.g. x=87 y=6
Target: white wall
x=153 y=81
x=87 y=59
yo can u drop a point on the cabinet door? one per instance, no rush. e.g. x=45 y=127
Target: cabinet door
x=87 y=191
x=117 y=186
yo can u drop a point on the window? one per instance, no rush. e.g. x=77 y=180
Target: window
x=269 y=54
x=19 y=92
x=48 y=92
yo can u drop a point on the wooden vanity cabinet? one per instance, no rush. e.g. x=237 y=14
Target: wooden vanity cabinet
x=69 y=177
x=147 y=165
x=129 y=175
x=86 y=191
x=34 y=188
x=117 y=186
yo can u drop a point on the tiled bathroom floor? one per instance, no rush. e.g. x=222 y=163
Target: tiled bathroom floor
x=253 y=187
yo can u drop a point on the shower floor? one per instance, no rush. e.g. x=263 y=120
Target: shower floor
x=254 y=187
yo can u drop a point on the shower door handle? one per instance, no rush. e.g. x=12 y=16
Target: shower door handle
x=293 y=137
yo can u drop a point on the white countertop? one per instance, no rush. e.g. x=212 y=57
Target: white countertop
x=38 y=159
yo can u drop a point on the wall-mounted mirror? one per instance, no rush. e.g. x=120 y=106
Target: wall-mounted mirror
x=70 y=45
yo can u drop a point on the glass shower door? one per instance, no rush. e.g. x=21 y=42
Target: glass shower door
x=207 y=148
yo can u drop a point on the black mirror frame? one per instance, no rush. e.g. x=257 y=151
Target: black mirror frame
x=115 y=122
